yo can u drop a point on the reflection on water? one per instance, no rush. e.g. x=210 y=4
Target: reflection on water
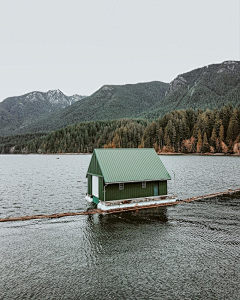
x=158 y=214
x=187 y=251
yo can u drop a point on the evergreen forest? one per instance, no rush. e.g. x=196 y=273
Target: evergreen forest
x=181 y=131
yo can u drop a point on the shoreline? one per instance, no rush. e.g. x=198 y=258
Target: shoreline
x=161 y=153
x=201 y=154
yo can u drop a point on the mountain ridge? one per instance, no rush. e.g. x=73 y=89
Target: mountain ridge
x=211 y=86
x=20 y=111
x=108 y=102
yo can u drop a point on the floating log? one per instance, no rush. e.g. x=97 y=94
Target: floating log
x=113 y=211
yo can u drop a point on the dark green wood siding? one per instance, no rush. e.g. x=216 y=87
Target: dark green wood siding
x=89 y=184
x=100 y=188
x=162 y=188
x=134 y=190
x=94 y=167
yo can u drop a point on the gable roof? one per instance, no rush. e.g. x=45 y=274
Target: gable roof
x=130 y=164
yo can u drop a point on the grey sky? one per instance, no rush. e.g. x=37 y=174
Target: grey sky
x=78 y=46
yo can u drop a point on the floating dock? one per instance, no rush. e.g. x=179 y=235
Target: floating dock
x=136 y=202
x=124 y=209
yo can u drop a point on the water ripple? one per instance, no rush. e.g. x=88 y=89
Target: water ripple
x=188 y=251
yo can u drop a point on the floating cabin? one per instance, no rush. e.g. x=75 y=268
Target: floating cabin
x=125 y=176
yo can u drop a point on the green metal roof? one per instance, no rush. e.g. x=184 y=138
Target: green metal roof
x=130 y=164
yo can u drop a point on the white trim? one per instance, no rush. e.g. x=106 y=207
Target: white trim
x=102 y=205
x=95 y=188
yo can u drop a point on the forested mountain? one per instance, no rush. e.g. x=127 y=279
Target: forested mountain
x=109 y=102
x=18 y=113
x=209 y=87
x=182 y=131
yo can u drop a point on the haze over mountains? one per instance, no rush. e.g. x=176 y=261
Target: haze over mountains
x=209 y=87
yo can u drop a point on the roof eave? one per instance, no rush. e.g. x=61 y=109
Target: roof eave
x=148 y=180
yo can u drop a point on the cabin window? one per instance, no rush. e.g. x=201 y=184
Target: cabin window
x=121 y=186
x=144 y=184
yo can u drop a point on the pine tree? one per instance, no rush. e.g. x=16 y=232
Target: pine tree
x=205 y=147
x=221 y=133
x=213 y=138
x=233 y=128
x=160 y=137
x=199 y=142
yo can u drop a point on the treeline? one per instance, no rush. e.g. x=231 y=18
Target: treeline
x=18 y=143
x=184 y=131
x=84 y=137
x=189 y=131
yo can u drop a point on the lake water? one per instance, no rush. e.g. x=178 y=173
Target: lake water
x=187 y=251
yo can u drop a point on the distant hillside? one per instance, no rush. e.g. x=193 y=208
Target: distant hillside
x=17 y=113
x=209 y=87
x=212 y=86
x=109 y=102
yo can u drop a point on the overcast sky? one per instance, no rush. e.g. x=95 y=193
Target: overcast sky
x=78 y=46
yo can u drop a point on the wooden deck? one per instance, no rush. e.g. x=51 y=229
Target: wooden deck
x=98 y=211
x=138 y=200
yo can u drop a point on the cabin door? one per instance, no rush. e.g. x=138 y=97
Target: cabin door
x=155 y=190
x=95 y=186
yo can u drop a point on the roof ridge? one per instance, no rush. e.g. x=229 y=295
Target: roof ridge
x=97 y=149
